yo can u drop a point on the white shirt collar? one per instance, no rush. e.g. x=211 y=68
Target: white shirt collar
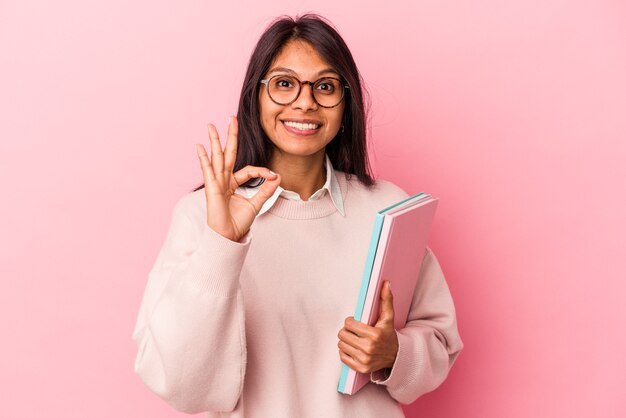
x=331 y=186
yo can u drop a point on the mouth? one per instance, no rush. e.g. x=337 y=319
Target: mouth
x=302 y=127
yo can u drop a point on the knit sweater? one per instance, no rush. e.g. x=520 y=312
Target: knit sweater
x=249 y=328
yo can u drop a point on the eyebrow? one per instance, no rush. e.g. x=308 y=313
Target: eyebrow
x=290 y=71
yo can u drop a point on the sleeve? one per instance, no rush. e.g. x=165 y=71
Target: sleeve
x=190 y=327
x=429 y=343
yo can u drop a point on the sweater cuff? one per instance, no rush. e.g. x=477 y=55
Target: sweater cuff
x=403 y=368
x=218 y=261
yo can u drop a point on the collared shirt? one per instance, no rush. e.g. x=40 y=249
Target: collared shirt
x=331 y=186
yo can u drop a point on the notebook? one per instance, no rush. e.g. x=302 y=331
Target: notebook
x=397 y=248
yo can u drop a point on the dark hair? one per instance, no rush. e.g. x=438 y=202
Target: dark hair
x=348 y=150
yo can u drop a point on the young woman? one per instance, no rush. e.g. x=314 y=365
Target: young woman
x=247 y=310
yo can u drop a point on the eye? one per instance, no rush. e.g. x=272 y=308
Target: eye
x=326 y=86
x=283 y=83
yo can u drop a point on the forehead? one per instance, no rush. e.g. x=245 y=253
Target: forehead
x=301 y=58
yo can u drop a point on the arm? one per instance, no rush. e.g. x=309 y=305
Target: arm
x=429 y=343
x=190 y=328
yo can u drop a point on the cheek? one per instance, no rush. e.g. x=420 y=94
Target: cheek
x=336 y=120
x=266 y=114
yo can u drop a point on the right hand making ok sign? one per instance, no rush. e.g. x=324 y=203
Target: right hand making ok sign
x=230 y=214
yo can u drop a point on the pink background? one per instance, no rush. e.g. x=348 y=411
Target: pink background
x=512 y=112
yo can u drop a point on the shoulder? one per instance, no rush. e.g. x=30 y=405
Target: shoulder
x=381 y=194
x=387 y=188
x=192 y=206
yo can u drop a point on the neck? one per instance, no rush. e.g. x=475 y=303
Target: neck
x=303 y=175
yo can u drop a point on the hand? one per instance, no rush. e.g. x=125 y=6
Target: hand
x=230 y=214
x=367 y=349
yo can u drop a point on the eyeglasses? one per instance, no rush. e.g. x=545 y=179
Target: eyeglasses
x=285 y=89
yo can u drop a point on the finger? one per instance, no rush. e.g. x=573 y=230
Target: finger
x=252 y=172
x=386 y=305
x=205 y=164
x=352 y=363
x=230 y=152
x=353 y=352
x=349 y=338
x=266 y=191
x=217 y=157
x=359 y=328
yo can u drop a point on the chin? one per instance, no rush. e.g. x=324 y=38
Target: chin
x=298 y=150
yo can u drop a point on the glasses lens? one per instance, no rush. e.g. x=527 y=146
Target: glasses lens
x=328 y=92
x=283 y=89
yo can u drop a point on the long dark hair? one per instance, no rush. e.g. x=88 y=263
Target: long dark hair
x=348 y=150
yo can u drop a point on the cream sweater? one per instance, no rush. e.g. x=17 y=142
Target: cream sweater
x=249 y=329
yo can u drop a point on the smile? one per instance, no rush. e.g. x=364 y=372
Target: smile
x=301 y=126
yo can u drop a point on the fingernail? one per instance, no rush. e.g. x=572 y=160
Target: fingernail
x=389 y=285
x=230 y=119
x=271 y=172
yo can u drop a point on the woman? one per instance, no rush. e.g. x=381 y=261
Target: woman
x=247 y=310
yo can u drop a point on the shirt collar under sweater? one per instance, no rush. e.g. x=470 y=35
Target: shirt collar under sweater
x=321 y=208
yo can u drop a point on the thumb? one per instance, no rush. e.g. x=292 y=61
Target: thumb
x=386 y=304
x=266 y=191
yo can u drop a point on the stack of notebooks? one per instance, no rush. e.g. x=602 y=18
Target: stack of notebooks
x=396 y=251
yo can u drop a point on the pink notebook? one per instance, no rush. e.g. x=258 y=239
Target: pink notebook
x=398 y=258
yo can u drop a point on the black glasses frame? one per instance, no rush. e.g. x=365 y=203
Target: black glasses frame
x=300 y=84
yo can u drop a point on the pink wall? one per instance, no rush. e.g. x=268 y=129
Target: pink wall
x=512 y=112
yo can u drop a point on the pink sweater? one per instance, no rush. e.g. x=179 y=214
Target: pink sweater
x=249 y=329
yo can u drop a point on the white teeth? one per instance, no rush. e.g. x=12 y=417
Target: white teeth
x=301 y=126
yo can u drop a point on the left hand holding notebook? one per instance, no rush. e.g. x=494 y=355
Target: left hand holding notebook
x=365 y=348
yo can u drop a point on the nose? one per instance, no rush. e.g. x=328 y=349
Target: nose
x=305 y=100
